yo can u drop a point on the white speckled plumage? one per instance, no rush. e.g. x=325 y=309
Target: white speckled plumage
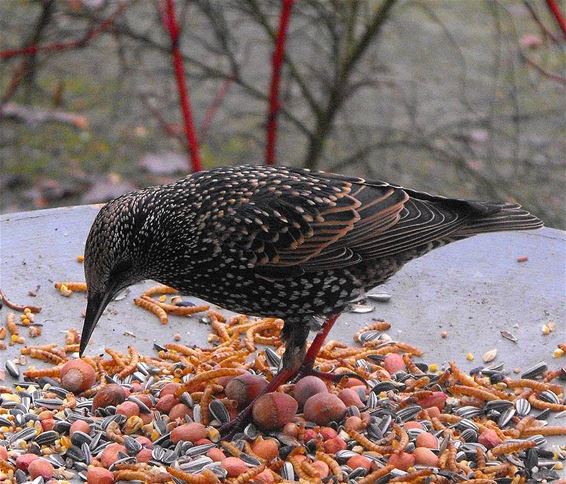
x=277 y=241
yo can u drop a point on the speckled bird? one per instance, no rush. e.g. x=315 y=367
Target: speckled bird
x=275 y=241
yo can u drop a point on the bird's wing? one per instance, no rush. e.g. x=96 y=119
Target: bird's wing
x=294 y=222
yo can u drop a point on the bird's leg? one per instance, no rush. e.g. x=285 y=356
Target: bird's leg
x=307 y=368
x=242 y=418
x=295 y=337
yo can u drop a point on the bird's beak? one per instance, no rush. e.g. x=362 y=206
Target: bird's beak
x=97 y=302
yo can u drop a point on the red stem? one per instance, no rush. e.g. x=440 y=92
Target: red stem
x=214 y=106
x=170 y=21
x=277 y=62
x=65 y=45
x=555 y=9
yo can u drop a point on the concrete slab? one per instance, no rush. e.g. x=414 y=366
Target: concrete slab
x=472 y=289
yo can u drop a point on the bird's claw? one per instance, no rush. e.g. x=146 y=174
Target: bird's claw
x=333 y=377
x=231 y=428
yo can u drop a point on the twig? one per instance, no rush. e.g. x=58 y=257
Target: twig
x=214 y=105
x=543 y=71
x=545 y=31
x=167 y=128
x=38 y=116
x=555 y=9
x=65 y=45
x=278 y=55
x=170 y=21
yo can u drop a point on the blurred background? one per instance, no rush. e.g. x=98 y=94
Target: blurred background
x=457 y=97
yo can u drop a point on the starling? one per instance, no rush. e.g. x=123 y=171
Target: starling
x=275 y=241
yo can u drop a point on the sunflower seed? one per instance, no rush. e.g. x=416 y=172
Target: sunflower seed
x=219 y=411
x=132 y=445
x=489 y=355
x=79 y=438
x=12 y=369
x=469 y=435
x=251 y=431
x=287 y=472
x=199 y=450
x=353 y=411
x=123 y=460
x=360 y=308
x=197 y=416
x=531 y=460
x=272 y=357
x=250 y=460
x=506 y=417
x=549 y=396
x=379 y=297
x=164 y=440
x=467 y=424
x=49 y=403
x=187 y=399
x=46 y=438
x=357 y=472
x=27 y=433
x=498 y=405
x=539 y=440
x=344 y=455
x=196 y=465
x=509 y=336
x=142 y=406
x=469 y=411
x=535 y=370
x=75 y=453
x=408 y=413
x=523 y=407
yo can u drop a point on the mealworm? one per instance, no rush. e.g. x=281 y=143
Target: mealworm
x=376 y=326
x=132 y=365
x=368 y=444
x=412 y=476
x=72 y=286
x=293 y=459
x=375 y=475
x=461 y=376
x=207 y=397
x=11 y=325
x=542 y=405
x=510 y=447
x=332 y=465
x=220 y=329
x=231 y=448
x=194 y=382
x=248 y=476
x=549 y=430
x=451 y=457
x=177 y=310
x=43 y=372
x=473 y=392
x=18 y=307
x=44 y=355
x=152 y=307
x=538 y=386
x=480 y=458
x=116 y=357
x=159 y=289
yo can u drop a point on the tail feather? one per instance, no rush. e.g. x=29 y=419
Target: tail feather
x=501 y=217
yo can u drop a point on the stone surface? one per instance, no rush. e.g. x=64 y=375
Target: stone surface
x=471 y=289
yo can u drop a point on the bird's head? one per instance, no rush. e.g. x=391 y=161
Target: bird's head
x=113 y=258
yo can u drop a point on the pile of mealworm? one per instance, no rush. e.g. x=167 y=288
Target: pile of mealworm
x=394 y=409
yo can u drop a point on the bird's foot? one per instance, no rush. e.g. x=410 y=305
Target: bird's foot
x=231 y=428
x=228 y=430
x=332 y=377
